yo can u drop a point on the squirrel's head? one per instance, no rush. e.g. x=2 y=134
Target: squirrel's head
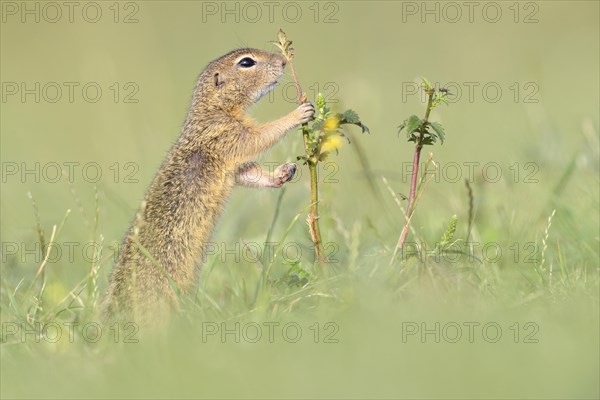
x=239 y=78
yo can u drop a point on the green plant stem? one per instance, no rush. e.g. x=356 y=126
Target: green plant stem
x=297 y=84
x=415 y=172
x=311 y=158
x=313 y=215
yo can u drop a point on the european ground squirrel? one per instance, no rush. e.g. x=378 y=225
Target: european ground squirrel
x=213 y=153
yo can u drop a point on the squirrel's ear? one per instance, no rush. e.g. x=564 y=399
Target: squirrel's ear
x=218 y=81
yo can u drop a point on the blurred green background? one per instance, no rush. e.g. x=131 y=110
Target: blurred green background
x=540 y=129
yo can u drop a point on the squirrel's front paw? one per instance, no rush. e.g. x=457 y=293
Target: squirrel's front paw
x=305 y=112
x=284 y=173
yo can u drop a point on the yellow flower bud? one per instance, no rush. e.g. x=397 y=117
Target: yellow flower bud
x=330 y=143
x=331 y=123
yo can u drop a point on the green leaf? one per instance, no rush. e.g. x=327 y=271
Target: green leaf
x=323 y=156
x=350 y=117
x=365 y=129
x=401 y=127
x=318 y=125
x=296 y=276
x=426 y=84
x=428 y=140
x=412 y=124
x=303 y=158
x=284 y=45
x=439 y=130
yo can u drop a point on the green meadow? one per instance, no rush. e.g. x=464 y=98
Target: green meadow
x=504 y=305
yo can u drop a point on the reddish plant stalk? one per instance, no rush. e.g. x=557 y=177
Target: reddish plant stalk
x=415 y=172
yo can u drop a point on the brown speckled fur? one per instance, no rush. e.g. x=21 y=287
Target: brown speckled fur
x=189 y=192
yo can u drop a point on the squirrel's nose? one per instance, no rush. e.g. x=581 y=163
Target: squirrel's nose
x=283 y=61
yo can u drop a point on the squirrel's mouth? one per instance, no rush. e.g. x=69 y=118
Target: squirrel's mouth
x=266 y=89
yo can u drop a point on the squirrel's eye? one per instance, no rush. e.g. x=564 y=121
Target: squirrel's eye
x=246 y=62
